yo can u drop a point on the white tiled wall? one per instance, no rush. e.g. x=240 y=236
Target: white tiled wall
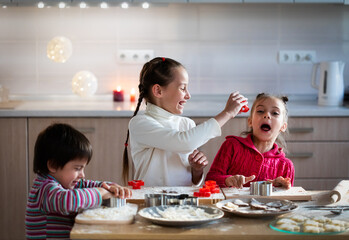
x=224 y=46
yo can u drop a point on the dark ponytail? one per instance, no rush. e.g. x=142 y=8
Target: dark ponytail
x=156 y=71
x=126 y=166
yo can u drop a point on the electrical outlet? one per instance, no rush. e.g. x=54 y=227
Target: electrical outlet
x=296 y=57
x=134 y=56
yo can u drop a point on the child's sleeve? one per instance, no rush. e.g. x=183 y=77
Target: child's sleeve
x=219 y=168
x=56 y=199
x=151 y=133
x=89 y=184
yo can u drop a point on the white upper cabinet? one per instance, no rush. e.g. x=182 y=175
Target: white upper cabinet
x=117 y=2
x=217 y=1
x=270 y=1
x=319 y=1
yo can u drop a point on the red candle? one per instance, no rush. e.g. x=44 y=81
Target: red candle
x=118 y=94
x=133 y=95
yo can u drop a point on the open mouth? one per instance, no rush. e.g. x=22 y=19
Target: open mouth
x=266 y=127
x=182 y=103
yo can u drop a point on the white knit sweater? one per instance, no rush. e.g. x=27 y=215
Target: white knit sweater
x=161 y=143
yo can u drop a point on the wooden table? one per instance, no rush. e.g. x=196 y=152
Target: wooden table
x=228 y=227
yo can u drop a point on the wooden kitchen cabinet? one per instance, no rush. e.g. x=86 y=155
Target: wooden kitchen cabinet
x=107 y=136
x=319 y=149
x=13 y=177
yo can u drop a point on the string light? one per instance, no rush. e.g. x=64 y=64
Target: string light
x=61 y=5
x=83 y=5
x=124 y=5
x=84 y=84
x=41 y=5
x=59 y=49
x=145 y=5
x=104 y=5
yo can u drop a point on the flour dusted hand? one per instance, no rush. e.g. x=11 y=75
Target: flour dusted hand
x=115 y=190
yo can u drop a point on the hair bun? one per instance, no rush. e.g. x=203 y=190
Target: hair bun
x=284 y=99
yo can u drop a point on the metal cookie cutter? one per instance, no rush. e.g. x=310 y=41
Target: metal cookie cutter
x=152 y=200
x=262 y=188
x=182 y=199
x=114 y=202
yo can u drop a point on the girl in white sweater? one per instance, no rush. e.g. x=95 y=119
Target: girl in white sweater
x=164 y=144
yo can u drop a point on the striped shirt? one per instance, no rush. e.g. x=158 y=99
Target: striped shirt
x=51 y=209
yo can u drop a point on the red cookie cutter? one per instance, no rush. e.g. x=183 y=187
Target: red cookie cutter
x=206 y=190
x=244 y=108
x=136 y=184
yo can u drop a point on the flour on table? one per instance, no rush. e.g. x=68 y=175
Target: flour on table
x=181 y=213
x=105 y=213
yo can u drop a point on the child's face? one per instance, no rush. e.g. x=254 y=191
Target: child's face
x=174 y=96
x=267 y=119
x=70 y=174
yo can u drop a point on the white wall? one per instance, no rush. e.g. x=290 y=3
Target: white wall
x=223 y=46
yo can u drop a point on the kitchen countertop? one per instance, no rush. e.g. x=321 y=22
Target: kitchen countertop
x=103 y=106
x=228 y=227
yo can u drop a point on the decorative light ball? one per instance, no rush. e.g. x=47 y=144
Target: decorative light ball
x=59 y=49
x=84 y=84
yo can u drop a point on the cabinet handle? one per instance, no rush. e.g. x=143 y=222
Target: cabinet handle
x=301 y=130
x=86 y=130
x=300 y=155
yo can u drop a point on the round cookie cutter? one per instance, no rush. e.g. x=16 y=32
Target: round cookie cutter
x=261 y=188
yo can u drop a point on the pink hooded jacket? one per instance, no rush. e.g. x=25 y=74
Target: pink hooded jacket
x=238 y=156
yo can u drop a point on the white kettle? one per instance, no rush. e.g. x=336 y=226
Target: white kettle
x=331 y=83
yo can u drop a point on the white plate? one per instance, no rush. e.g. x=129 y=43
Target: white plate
x=249 y=212
x=156 y=215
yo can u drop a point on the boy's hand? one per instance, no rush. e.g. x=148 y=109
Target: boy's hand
x=197 y=160
x=105 y=193
x=281 y=182
x=238 y=181
x=117 y=191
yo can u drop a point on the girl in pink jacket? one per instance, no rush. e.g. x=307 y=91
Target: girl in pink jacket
x=259 y=156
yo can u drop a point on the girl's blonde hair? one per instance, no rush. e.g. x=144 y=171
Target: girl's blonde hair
x=281 y=139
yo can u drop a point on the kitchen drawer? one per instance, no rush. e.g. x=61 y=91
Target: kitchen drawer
x=317 y=184
x=318 y=129
x=319 y=159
